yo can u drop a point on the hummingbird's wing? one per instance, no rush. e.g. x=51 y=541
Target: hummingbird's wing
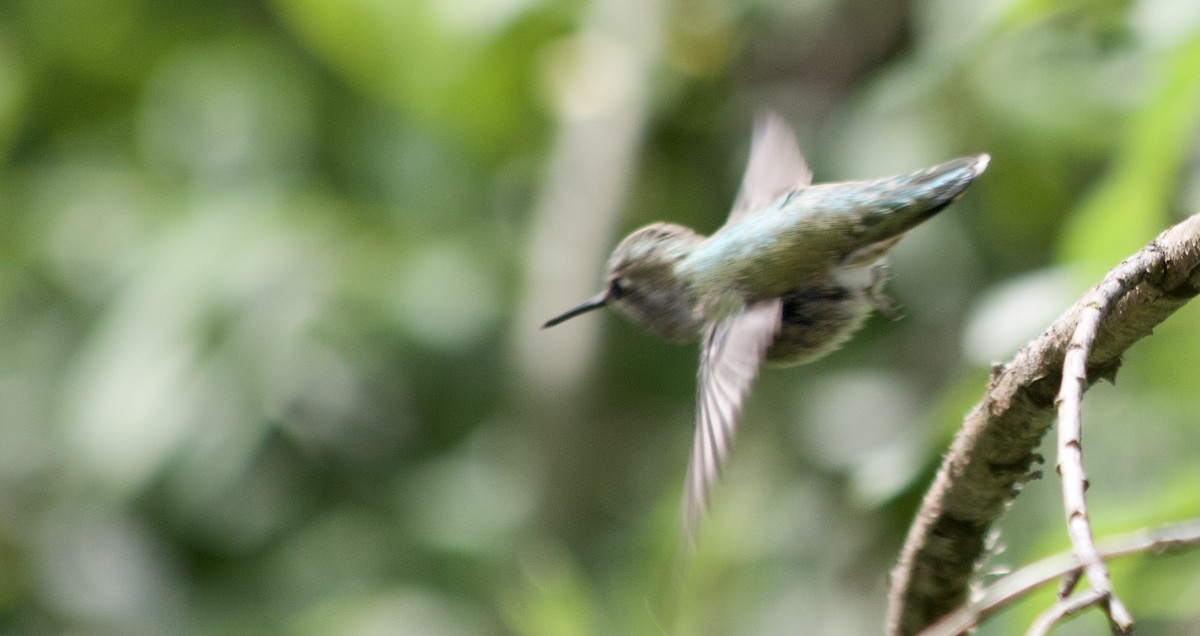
x=730 y=356
x=775 y=167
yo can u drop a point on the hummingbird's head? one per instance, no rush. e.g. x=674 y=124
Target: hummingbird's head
x=642 y=282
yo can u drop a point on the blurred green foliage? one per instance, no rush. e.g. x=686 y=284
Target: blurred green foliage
x=272 y=273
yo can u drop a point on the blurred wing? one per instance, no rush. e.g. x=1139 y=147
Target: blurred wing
x=732 y=352
x=775 y=167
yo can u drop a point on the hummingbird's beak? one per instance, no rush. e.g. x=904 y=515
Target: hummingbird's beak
x=595 y=302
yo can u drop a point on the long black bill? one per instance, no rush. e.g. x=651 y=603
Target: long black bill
x=595 y=302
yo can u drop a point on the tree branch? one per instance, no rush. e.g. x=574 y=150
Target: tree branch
x=992 y=454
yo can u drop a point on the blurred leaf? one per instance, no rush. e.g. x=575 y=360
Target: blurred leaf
x=1133 y=202
x=461 y=65
x=390 y=611
x=13 y=91
x=555 y=599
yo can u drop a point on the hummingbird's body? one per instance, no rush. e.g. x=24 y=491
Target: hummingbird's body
x=793 y=273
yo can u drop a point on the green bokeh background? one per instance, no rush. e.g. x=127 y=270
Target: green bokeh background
x=271 y=275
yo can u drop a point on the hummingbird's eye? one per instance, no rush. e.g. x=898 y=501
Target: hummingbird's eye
x=618 y=287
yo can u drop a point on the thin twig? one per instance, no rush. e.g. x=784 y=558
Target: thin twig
x=1063 y=609
x=1068 y=583
x=1096 y=305
x=1005 y=590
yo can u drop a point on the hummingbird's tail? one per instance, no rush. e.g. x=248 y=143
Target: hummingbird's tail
x=941 y=184
x=864 y=213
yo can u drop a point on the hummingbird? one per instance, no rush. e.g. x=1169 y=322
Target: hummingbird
x=792 y=274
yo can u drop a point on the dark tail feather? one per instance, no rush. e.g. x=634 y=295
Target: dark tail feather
x=894 y=205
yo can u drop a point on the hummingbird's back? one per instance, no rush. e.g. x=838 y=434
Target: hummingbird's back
x=804 y=235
